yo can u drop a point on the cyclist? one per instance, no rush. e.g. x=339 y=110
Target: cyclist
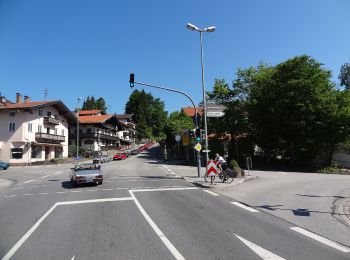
x=221 y=163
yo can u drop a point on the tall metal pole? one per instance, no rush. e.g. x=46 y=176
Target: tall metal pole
x=79 y=98
x=204 y=105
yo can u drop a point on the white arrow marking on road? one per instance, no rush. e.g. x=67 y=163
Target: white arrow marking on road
x=28 y=181
x=44 y=176
x=321 y=239
x=244 y=206
x=263 y=253
x=73 y=258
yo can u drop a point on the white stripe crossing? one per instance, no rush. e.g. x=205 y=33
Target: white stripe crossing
x=156 y=229
x=28 y=181
x=42 y=177
x=244 y=206
x=211 y=192
x=263 y=253
x=321 y=239
x=165 y=189
x=9 y=196
x=93 y=201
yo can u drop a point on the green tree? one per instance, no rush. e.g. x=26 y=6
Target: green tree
x=344 y=75
x=90 y=104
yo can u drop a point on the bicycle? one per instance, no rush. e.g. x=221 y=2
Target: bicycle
x=224 y=176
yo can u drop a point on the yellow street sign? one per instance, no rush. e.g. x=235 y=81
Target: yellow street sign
x=198 y=147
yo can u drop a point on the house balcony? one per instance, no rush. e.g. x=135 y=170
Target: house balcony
x=95 y=136
x=50 y=120
x=49 y=138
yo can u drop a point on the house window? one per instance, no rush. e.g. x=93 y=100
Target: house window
x=12 y=126
x=12 y=113
x=17 y=153
x=40 y=112
x=30 y=127
x=40 y=128
x=36 y=152
x=62 y=132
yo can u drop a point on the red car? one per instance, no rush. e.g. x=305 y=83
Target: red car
x=119 y=156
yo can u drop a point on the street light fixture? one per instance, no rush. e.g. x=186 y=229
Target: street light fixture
x=79 y=99
x=207 y=29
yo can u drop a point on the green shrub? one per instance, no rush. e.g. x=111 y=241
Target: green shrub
x=234 y=165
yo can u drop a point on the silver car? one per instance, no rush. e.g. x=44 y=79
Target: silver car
x=101 y=159
x=86 y=173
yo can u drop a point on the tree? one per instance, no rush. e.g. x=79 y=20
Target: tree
x=344 y=75
x=91 y=104
x=148 y=114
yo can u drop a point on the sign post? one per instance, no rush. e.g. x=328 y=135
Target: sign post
x=212 y=170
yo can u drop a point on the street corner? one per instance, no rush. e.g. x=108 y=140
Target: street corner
x=200 y=182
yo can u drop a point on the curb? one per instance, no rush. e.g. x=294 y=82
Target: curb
x=215 y=185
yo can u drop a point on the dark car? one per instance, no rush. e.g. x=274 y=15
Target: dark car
x=86 y=173
x=134 y=152
x=4 y=165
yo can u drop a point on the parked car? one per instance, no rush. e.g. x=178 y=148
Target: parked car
x=86 y=173
x=4 y=165
x=101 y=159
x=119 y=156
x=134 y=151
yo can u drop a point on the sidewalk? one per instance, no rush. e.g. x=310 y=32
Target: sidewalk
x=190 y=174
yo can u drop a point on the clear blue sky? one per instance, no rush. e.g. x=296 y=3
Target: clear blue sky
x=88 y=47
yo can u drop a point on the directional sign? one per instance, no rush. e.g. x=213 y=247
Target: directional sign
x=212 y=170
x=185 y=139
x=216 y=107
x=215 y=114
x=198 y=147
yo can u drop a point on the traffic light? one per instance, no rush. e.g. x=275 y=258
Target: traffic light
x=132 y=80
x=191 y=133
x=198 y=134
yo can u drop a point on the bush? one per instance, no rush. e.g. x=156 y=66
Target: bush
x=234 y=165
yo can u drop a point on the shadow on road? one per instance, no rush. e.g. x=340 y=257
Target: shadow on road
x=68 y=185
x=320 y=196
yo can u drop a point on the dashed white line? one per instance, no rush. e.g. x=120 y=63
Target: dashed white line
x=211 y=193
x=92 y=190
x=106 y=189
x=321 y=239
x=263 y=253
x=244 y=206
x=28 y=194
x=75 y=191
x=44 y=176
x=44 y=193
x=28 y=181
x=156 y=229
x=59 y=192
x=18 y=188
x=9 y=196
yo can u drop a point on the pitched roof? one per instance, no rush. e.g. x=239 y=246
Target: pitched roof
x=94 y=119
x=190 y=111
x=26 y=104
x=124 y=116
x=89 y=112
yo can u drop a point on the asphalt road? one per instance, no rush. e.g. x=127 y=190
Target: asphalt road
x=140 y=212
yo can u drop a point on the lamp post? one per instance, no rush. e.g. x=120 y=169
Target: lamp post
x=79 y=98
x=207 y=29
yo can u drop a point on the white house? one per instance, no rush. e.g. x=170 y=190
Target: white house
x=33 y=131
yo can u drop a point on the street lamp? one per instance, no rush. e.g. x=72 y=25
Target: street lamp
x=207 y=29
x=79 y=98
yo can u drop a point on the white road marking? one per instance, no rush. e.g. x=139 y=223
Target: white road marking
x=92 y=190
x=211 y=193
x=244 y=206
x=106 y=189
x=93 y=201
x=9 y=196
x=73 y=258
x=36 y=225
x=156 y=229
x=165 y=189
x=59 y=172
x=263 y=253
x=321 y=239
x=26 y=235
x=28 y=181
x=75 y=191
x=28 y=194
x=61 y=191
x=121 y=188
x=44 y=193
x=44 y=176
x=18 y=188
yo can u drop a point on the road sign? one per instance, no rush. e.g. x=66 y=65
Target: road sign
x=215 y=107
x=212 y=170
x=185 y=139
x=198 y=147
x=215 y=114
x=177 y=138
x=206 y=151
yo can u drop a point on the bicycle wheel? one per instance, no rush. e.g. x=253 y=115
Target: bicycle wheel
x=229 y=175
x=208 y=178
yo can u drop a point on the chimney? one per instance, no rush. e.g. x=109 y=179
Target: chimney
x=26 y=99
x=18 y=98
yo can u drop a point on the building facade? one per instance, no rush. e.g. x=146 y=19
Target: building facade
x=32 y=132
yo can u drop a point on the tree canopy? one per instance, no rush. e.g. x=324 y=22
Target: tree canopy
x=148 y=113
x=91 y=104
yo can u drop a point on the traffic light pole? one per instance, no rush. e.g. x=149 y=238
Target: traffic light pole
x=132 y=84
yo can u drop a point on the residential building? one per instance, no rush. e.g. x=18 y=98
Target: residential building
x=32 y=132
x=98 y=132
x=128 y=133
